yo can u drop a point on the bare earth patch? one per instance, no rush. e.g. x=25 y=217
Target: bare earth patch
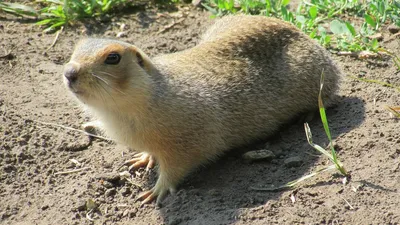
x=32 y=154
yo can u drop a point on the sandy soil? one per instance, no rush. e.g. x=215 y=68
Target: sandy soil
x=32 y=153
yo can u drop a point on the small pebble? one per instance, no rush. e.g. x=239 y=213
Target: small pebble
x=123 y=27
x=107 y=184
x=197 y=3
x=294 y=161
x=121 y=34
x=125 y=213
x=257 y=155
x=111 y=192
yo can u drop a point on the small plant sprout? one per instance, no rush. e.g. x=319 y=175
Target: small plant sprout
x=56 y=14
x=323 y=20
x=331 y=155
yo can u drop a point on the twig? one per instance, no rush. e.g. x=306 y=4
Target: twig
x=394 y=110
x=88 y=215
x=55 y=39
x=76 y=162
x=291 y=184
x=397 y=88
x=393 y=37
x=72 y=171
x=73 y=129
x=170 y=26
x=126 y=175
x=359 y=54
x=351 y=207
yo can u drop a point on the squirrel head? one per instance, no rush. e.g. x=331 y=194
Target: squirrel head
x=104 y=72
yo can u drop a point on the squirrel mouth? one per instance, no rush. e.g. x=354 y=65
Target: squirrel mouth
x=73 y=89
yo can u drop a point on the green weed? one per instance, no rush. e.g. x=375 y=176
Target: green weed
x=331 y=155
x=313 y=16
x=268 y=7
x=54 y=14
x=18 y=9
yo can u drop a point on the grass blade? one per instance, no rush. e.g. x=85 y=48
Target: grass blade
x=293 y=183
x=326 y=128
x=394 y=110
x=19 y=9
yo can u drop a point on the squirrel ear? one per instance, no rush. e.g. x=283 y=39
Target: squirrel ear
x=140 y=59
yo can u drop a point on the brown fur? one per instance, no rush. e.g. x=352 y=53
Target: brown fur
x=247 y=77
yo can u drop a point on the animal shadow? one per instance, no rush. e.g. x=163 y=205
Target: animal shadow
x=217 y=193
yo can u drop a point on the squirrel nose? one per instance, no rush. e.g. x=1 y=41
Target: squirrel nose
x=71 y=72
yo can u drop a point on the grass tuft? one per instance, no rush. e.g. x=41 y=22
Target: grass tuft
x=324 y=20
x=54 y=14
x=331 y=155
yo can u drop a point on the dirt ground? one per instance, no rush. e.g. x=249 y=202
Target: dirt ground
x=32 y=154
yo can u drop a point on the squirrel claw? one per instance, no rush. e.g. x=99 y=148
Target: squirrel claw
x=150 y=195
x=141 y=159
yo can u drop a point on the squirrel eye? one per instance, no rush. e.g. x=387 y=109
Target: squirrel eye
x=113 y=58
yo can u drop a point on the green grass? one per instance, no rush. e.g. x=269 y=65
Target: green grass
x=54 y=14
x=324 y=20
x=331 y=154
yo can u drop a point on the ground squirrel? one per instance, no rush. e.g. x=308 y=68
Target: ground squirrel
x=248 y=76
